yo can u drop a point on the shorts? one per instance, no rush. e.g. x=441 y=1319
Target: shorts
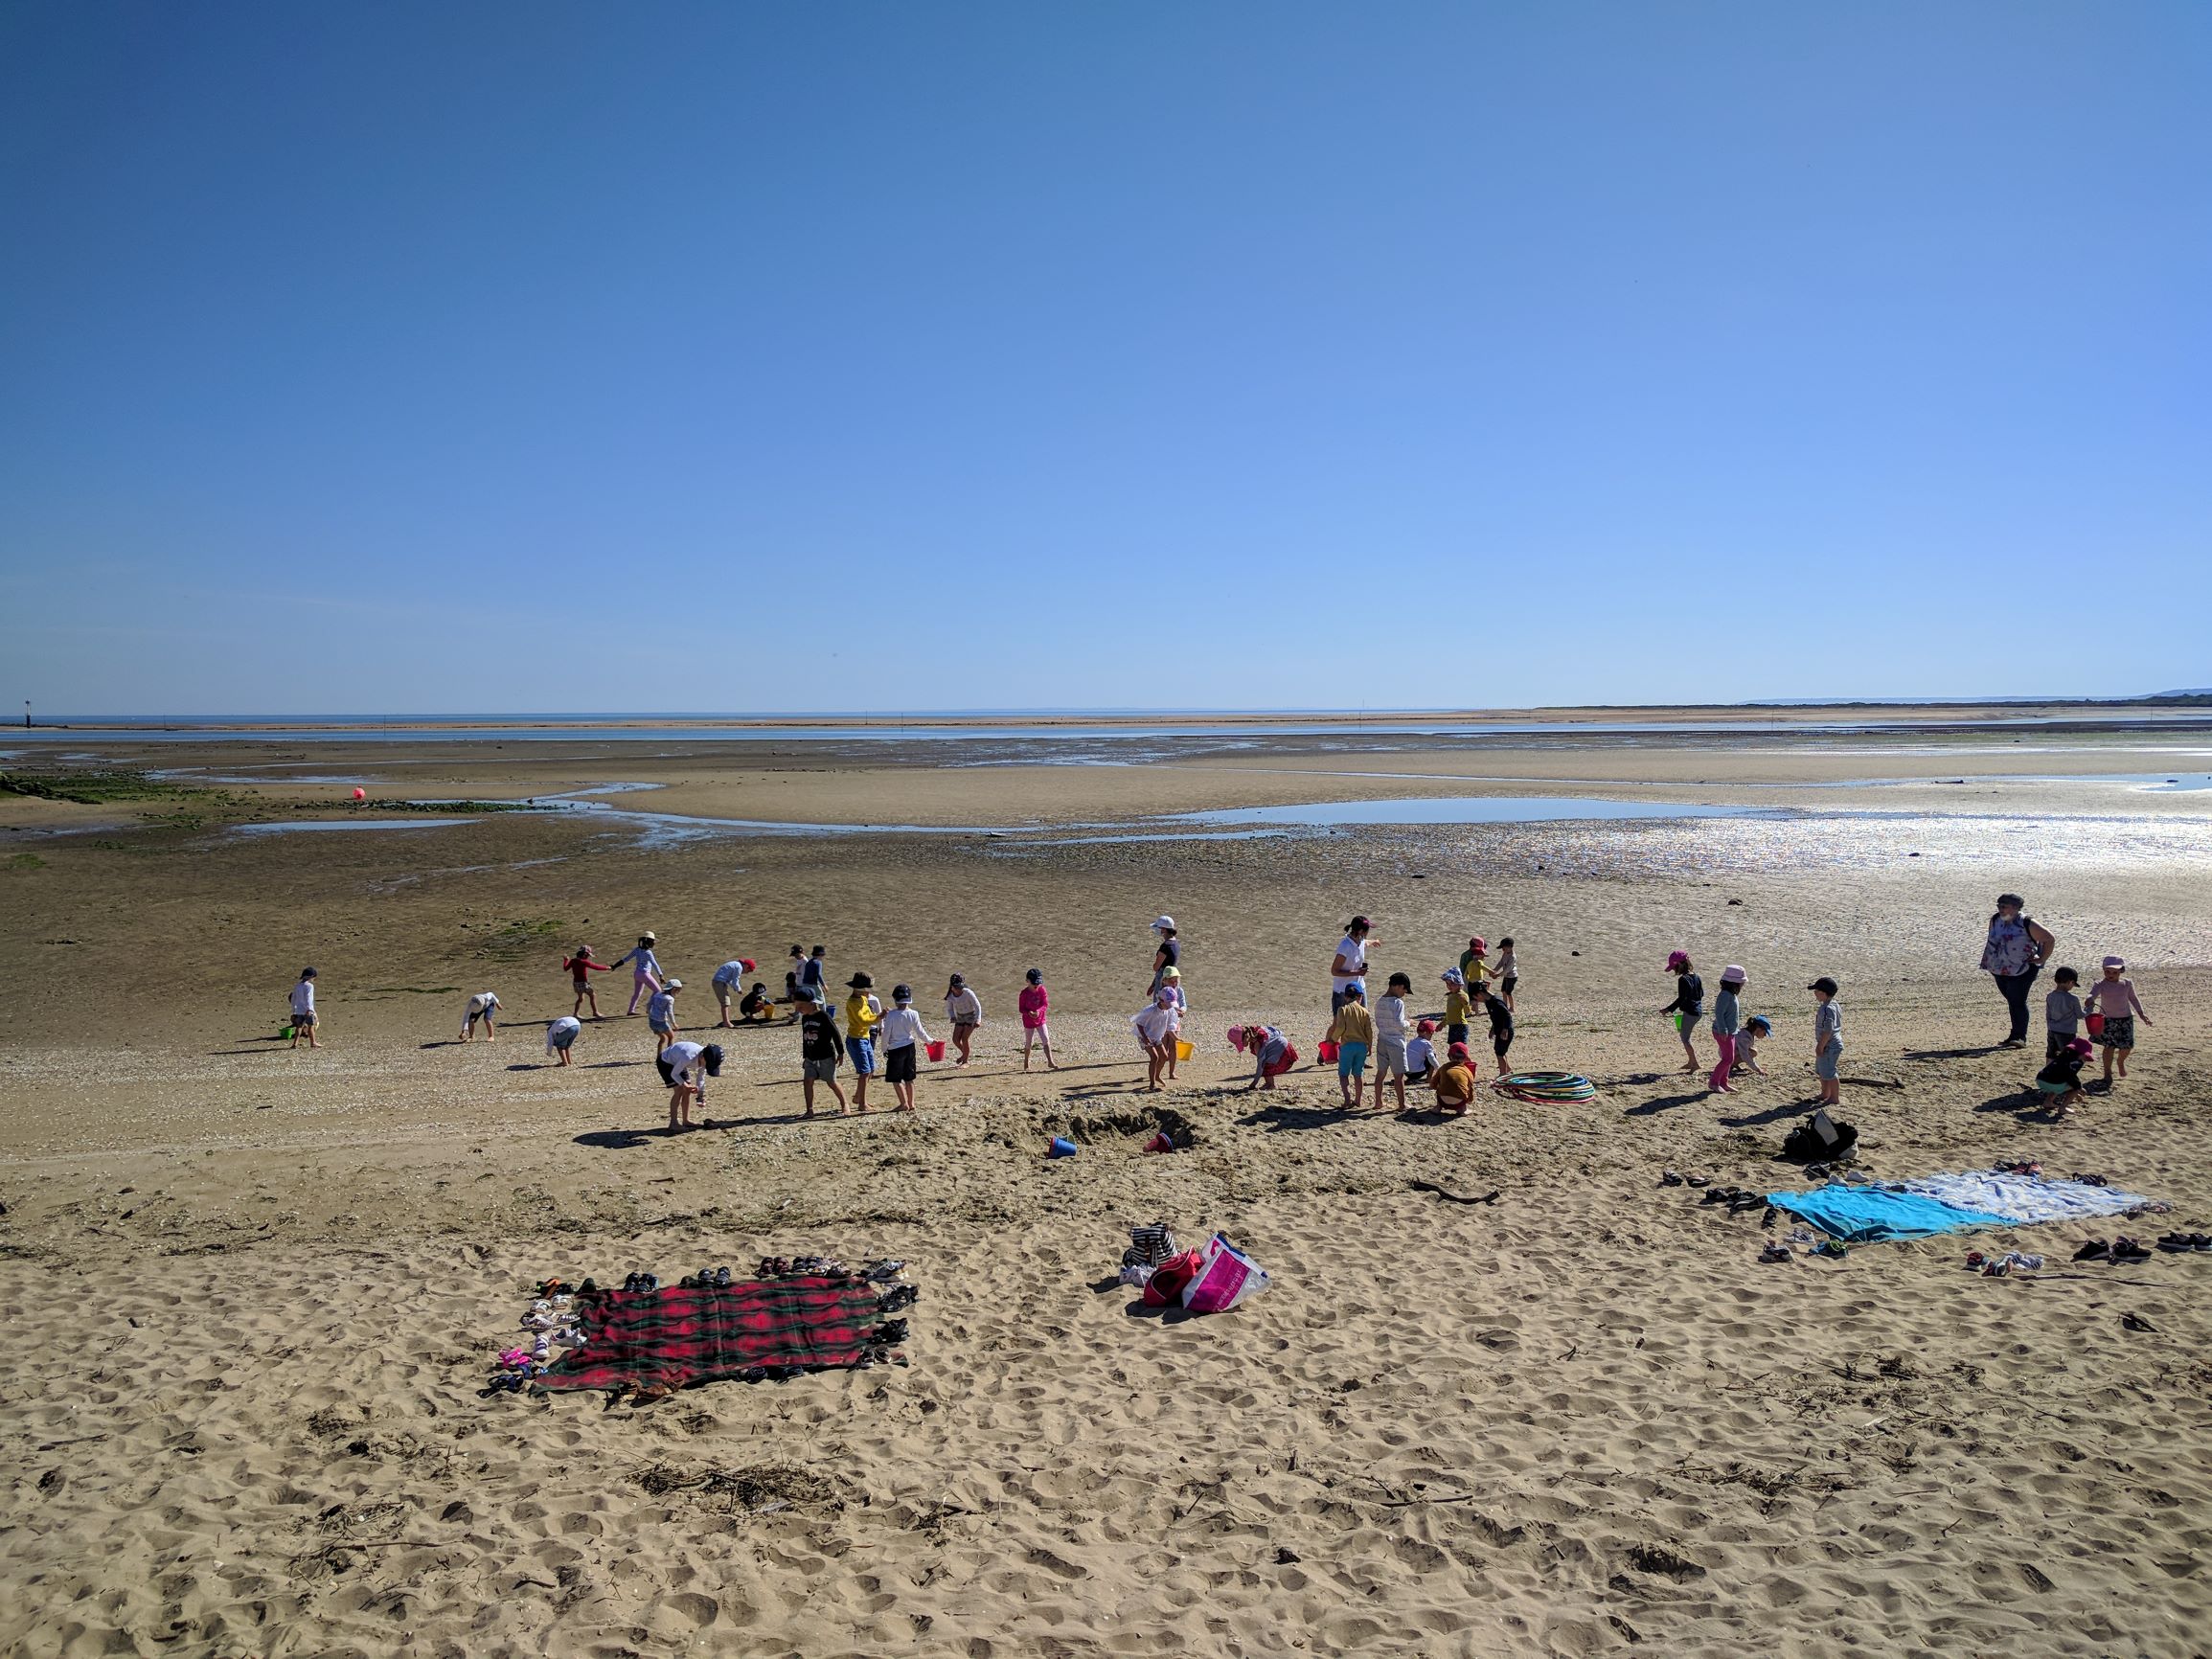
x=823 y=1071
x=658 y=1028
x=899 y=1064
x=862 y=1051
x=303 y=1020
x=1350 y=1059
x=1498 y=1045
x=561 y=1039
x=2054 y=1088
x=580 y=984
x=2119 y=1031
x=1828 y=1062
x=1454 y=1034
x=2055 y=1042
x=1389 y=1058
x=722 y=989
x=1505 y=985
x=668 y=1074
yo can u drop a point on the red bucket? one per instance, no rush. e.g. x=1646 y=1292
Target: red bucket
x=1327 y=1051
x=2096 y=1025
x=936 y=1051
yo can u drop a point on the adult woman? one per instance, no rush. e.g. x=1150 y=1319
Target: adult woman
x=2014 y=954
x=1689 y=1005
x=1350 y=968
x=1169 y=955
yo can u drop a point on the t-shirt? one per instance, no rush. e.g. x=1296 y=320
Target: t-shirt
x=811 y=973
x=818 y=1038
x=482 y=1003
x=2063 y=1009
x=1458 y=1005
x=1353 y=1024
x=1033 y=1001
x=863 y=1013
x=1501 y=1017
x=1171 y=956
x=1473 y=967
x=1419 y=1053
x=902 y=1029
x=1507 y=967
x=730 y=972
x=561 y=1032
x=642 y=959
x=683 y=1061
x=1354 y=955
x=1455 y=1082
x=304 y=997
x=1390 y=1017
x=963 y=1006
x=2011 y=949
x=1156 y=1024
x=1727 y=1018
x=2064 y=1069
x=2114 y=998
x=661 y=1010
x=1828 y=1023
x=754 y=1000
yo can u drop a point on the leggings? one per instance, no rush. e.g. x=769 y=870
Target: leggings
x=1726 y=1044
x=2013 y=988
x=638 y=981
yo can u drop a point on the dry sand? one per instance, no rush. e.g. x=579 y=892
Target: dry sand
x=251 y=1293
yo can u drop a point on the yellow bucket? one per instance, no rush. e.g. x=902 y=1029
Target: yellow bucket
x=1184 y=1050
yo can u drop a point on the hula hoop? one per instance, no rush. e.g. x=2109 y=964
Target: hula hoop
x=1546 y=1089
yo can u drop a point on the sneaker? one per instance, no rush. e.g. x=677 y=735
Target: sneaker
x=2095 y=1250
x=1775 y=1252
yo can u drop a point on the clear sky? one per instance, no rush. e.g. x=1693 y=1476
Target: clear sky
x=405 y=357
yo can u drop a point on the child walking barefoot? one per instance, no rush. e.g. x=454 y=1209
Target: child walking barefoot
x=2115 y=1001
x=1034 y=1002
x=660 y=1013
x=645 y=968
x=1157 y=1027
x=965 y=1009
x=481 y=1007
x=901 y=1034
x=304 y=1009
x=1828 y=1041
x=579 y=968
x=1353 y=1032
x=1687 y=1008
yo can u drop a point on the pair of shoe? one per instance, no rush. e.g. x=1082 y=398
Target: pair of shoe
x=2178 y=1243
x=1777 y=1251
x=706 y=1279
x=638 y=1282
x=2117 y=1250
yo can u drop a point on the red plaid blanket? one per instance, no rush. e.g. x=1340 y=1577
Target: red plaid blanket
x=663 y=1340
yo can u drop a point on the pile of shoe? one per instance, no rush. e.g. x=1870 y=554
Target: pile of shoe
x=2115 y=1250
x=2003 y=1266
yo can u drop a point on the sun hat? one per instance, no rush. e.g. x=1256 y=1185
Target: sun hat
x=649 y=937
x=901 y=994
x=1453 y=977
x=1478 y=943
x=1678 y=960
x=1823 y=982
x=2115 y=961
x=2079 y=1046
x=1760 y=1022
x=1404 y=979
x=1163 y=921
x=1731 y=975
x=1426 y=1027
x=859 y=982
x=1457 y=1051
x=747 y=963
x=671 y=985
x=1236 y=1037
x=1171 y=973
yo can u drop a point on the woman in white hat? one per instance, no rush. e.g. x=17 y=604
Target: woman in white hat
x=1169 y=955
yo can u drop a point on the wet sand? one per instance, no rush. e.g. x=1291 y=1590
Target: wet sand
x=253 y=1292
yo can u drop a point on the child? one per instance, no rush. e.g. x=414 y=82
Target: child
x=1353 y=1032
x=727 y=979
x=2113 y=999
x=1688 y=1005
x=1757 y=1027
x=902 y=1034
x=1172 y=979
x=1034 y=1002
x=820 y=1048
x=793 y=974
x=1458 y=1007
x=965 y=1009
x=756 y=1005
x=1393 y=1030
x=685 y=1068
x=863 y=1013
x=1500 y=1026
x=561 y=1037
x=1508 y=970
x=579 y=968
x=2061 y=1012
x=1828 y=1041
x=814 y=974
x=481 y=1007
x=1271 y=1053
x=304 y=1009
x=1474 y=967
x=2060 y=1079
x=1454 y=1082
x=1421 y=1051
x=660 y=1013
x=1157 y=1027
x=645 y=969
x=1727 y=1021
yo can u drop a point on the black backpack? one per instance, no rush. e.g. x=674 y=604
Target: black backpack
x=1818 y=1139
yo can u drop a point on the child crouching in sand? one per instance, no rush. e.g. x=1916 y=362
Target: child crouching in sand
x=2059 y=1082
x=1270 y=1050
x=1756 y=1030
x=1454 y=1082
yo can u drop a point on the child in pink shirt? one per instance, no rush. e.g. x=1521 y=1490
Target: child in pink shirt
x=1034 y=1000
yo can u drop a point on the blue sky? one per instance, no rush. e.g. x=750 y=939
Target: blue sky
x=413 y=358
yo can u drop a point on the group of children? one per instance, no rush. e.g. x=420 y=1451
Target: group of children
x=1401 y=1047
x=2109 y=1011
x=896 y=1037
x=1736 y=1038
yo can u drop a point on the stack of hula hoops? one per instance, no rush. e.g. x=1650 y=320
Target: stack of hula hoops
x=1547 y=1088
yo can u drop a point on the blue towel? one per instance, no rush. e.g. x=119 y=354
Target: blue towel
x=1866 y=1216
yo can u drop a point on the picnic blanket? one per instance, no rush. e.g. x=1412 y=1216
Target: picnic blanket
x=1871 y=1214
x=659 y=1341
x=2023 y=1199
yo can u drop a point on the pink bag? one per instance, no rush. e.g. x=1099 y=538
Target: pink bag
x=1226 y=1276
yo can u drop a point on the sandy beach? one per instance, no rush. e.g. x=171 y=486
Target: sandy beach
x=252 y=1293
